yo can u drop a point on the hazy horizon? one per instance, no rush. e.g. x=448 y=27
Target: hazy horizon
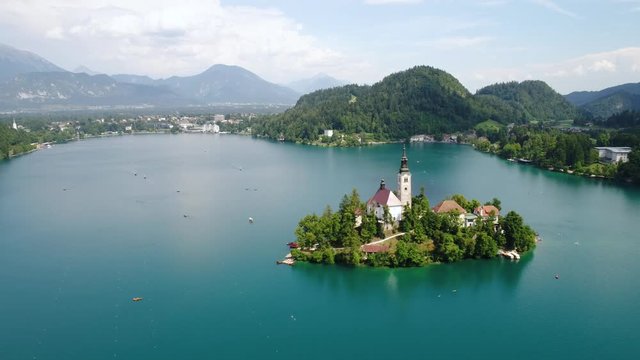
x=571 y=45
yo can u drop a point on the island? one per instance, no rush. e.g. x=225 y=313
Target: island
x=396 y=229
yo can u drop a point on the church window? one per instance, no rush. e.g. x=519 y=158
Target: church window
x=406 y=179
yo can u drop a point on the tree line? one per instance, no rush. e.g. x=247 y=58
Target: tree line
x=15 y=142
x=558 y=149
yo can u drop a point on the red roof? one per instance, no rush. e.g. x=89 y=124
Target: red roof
x=375 y=248
x=486 y=210
x=446 y=206
x=385 y=196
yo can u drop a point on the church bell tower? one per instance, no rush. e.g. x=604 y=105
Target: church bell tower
x=404 y=180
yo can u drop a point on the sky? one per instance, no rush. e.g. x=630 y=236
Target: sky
x=571 y=44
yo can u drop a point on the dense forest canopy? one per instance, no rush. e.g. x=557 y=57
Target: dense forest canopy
x=535 y=99
x=421 y=100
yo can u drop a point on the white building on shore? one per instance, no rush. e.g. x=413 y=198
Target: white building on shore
x=211 y=128
x=613 y=154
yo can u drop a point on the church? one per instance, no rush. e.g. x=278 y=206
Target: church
x=395 y=201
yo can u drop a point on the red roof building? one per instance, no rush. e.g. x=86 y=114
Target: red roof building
x=385 y=197
x=446 y=206
x=486 y=211
x=371 y=249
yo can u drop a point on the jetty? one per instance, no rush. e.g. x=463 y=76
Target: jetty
x=288 y=260
x=512 y=254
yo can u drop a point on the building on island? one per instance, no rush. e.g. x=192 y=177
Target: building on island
x=470 y=219
x=385 y=197
x=395 y=202
x=487 y=211
x=404 y=180
x=374 y=249
x=466 y=219
x=451 y=206
x=328 y=133
x=613 y=154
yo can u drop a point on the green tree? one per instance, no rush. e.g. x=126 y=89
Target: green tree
x=369 y=227
x=408 y=254
x=309 y=231
x=350 y=256
x=486 y=246
x=495 y=202
x=518 y=235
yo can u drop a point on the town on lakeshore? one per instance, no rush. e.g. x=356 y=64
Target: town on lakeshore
x=396 y=229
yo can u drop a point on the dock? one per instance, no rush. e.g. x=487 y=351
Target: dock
x=512 y=255
x=288 y=260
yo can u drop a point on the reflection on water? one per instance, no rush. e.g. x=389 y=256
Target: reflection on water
x=438 y=278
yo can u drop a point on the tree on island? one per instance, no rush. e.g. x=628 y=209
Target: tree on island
x=338 y=229
x=429 y=236
x=518 y=235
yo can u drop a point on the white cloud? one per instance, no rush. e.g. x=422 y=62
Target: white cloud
x=551 y=5
x=588 y=72
x=603 y=65
x=163 y=37
x=387 y=2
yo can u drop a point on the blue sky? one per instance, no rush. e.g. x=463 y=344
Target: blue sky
x=572 y=45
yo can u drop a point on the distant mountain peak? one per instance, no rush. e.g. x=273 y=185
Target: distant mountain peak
x=318 y=81
x=15 y=61
x=86 y=70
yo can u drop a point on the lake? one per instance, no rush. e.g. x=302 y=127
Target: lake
x=81 y=234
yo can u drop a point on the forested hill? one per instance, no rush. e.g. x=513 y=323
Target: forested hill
x=607 y=102
x=533 y=99
x=421 y=100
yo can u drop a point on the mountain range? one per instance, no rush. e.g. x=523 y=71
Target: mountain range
x=604 y=103
x=29 y=82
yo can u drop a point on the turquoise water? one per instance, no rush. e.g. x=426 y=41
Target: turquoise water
x=70 y=261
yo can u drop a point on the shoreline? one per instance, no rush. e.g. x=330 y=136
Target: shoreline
x=556 y=170
x=549 y=169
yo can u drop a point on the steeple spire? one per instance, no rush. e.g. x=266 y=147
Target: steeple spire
x=404 y=166
x=404 y=179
